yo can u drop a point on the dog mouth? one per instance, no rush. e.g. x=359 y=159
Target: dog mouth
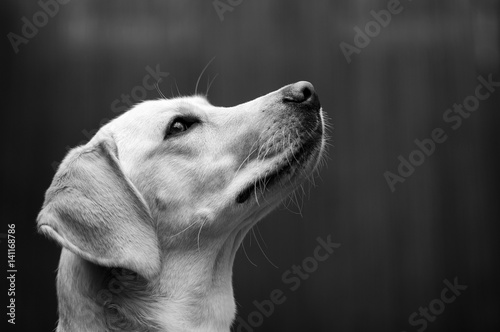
x=291 y=164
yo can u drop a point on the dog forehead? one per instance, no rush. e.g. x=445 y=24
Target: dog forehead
x=146 y=119
x=155 y=111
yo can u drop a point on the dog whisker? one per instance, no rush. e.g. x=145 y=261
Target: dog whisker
x=185 y=229
x=246 y=255
x=199 y=232
x=177 y=87
x=286 y=156
x=286 y=201
x=267 y=145
x=260 y=235
x=262 y=250
x=255 y=192
x=252 y=150
x=303 y=193
x=297 y=204
x=158 y=89
x=201 y=74
x=172 y=91
x=210 y=83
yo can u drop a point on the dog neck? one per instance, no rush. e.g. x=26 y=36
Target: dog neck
x=192 y=293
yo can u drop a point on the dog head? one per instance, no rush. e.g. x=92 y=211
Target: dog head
x=182 y=173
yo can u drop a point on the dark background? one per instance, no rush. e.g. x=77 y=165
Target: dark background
x=396 y=248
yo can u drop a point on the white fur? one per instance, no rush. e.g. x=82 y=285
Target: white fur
x=184 y=189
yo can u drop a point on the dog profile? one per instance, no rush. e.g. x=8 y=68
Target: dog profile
x=151 y=211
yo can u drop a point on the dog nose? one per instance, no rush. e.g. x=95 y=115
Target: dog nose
x=301 y=93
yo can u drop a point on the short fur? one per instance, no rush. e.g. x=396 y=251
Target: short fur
x=150 y=223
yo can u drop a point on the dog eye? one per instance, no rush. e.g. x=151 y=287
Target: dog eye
x=178 y=126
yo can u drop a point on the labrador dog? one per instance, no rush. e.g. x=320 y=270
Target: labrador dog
x=151 y=211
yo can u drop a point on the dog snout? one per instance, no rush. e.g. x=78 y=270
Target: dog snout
x=301 y=94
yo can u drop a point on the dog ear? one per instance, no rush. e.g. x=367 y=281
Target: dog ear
x=92 y=209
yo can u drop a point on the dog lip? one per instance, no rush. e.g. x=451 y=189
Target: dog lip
x=263 y=182
x=287 y=166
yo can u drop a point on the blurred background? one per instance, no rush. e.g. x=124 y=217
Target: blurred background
x=397 y=245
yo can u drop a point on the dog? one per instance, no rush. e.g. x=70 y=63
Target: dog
x=151 y=211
